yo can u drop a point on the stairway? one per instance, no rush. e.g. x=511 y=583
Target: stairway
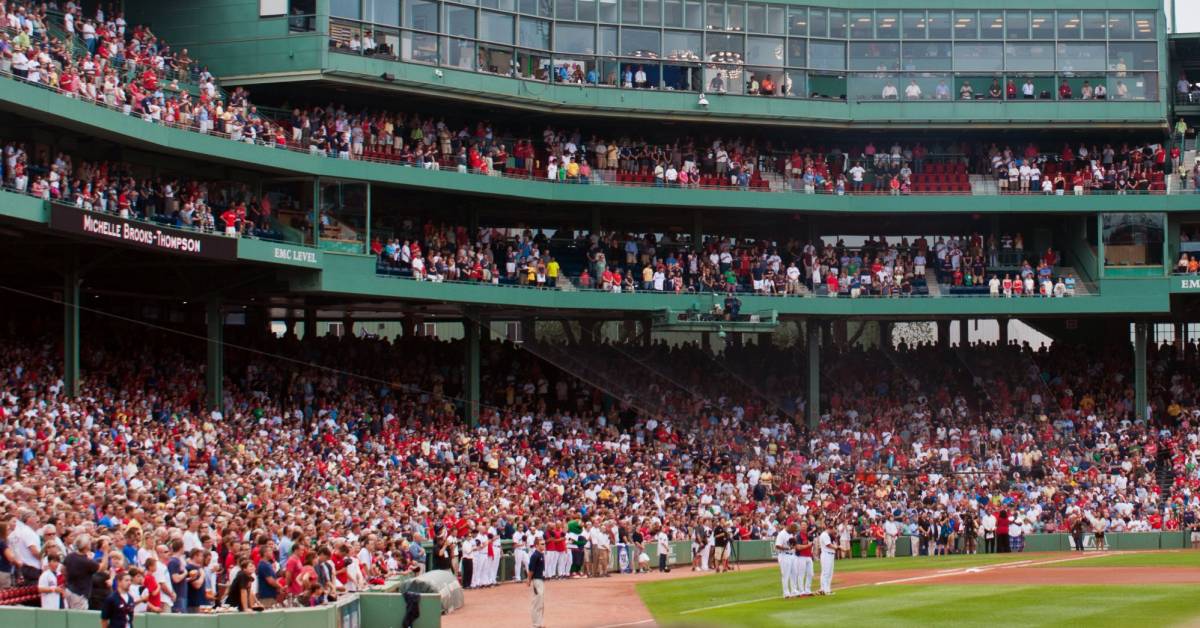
x=1164 y=474
x=983 y=185
x=931 y=281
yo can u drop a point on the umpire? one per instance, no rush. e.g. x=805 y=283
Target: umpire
x=537 y=567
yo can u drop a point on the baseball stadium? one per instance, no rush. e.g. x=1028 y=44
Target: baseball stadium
x=599 y=313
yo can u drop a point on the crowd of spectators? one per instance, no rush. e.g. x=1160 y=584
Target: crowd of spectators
x=114 y=188
x=128 y=68
x=315 y=479
x=623 y=262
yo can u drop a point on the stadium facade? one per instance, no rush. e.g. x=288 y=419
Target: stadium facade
x=849 y=72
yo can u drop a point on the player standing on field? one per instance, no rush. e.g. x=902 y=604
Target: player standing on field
x=828 y=553
x=783 y=550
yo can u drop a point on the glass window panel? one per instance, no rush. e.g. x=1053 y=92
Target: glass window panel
x=912 y=24
x=631 y=11
x=966 y=25
x=756 y=18
x=1095 y=25
x=776 y=20
x=575 y=39
x=1079 y=57
x=887 y=25
x=586 y=10
x=460 y=21
x=1132 y=56
x=419 y=47
x=1133 y=239
x=682 y=46
x=1068 y=25
x=979 y=57
x=1133 y=86
x=873 y=86
x=564 y=9
x=507 y=5
x=422 y=14
x=938 y=25
x=640 y=42
x=722 y=48
x=1145 y=24
x=797 y=53
x=608 y=41
x=826 y=55
x=528 y=6
x=837 y=24
x=797 y=21
x=991 y=25
x=735 y=16
x=861 y=26
x=818 y=22
x=458 y=53
x=693 y=15
x=928 y=55
x=609 y=10
x=764 y=51
x=1119 y=25
x=1016 y=24
x=1041 y=24
x=383 y=12
x=545 y=8
x=714 y=16
x=347 y=204
x=927 y=87
x=651 y=13
x=345 y=8
x=875 y=56
x=673 y=13
x=1037 y=56
x=489 y=4
x=496 y=27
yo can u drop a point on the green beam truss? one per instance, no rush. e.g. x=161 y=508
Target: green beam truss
x=71 y=285
x=1140 y=333
x=814 y=373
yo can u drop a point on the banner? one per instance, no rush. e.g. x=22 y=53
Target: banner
x=140 y=234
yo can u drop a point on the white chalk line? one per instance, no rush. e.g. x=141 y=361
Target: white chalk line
x=941 y=574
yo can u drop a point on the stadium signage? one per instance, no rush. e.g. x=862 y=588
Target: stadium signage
x=297 y=256
x=1189 y=284
x=147 y=236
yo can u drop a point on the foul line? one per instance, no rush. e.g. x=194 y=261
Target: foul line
x=941 y=574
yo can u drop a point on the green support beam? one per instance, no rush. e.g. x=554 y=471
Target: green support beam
x=214 y=374
x=814 y=373
x=1140 y=333
x=71 y=326
x=471 y=386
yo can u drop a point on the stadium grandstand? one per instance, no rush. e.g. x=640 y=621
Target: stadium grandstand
x=331 y=309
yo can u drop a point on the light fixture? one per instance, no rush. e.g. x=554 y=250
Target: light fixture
x=438 y=73
x=703 y=102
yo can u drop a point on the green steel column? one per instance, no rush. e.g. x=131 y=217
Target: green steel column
x=697 y=230
x=367 y=225
x=310 y=323
x=471 y=333
x=1140 y=332
x=71 y=326
x=215 y=372
x=316 y=212
x=814 y=373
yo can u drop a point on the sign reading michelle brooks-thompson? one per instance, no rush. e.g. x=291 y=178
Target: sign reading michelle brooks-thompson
x=143 y=235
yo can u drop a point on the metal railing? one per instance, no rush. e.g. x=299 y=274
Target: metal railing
x=606 y=177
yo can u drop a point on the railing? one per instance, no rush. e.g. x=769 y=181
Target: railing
x=599 y=178
x=575 y=285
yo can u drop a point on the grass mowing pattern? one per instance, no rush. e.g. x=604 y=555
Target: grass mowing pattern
x=924 y=606
x=674 y=596
x=1182 y=558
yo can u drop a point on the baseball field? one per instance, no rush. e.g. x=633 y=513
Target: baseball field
x=1151 y=588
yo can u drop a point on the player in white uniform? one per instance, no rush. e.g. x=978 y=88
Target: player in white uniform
x=519 y=554
x=787 y=558
x=828 y=553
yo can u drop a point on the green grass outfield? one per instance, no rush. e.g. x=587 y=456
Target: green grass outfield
x=739 y=598
x=1180 y=558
